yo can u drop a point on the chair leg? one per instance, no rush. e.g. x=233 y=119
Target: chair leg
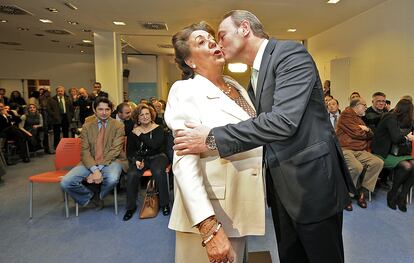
x=76 y=209
x=116 y=200
x=66 y=205
x=411 y=195
x=31 y=200
x=369 y=196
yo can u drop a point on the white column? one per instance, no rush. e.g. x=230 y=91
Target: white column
x=108 y=64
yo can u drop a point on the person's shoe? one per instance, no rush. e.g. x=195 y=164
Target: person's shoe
x=165 y=210
x=361 y=201
x=128 y=214
x=402 y=205
x=26 y=160
x=97 y=202
x=391 y=200
x=349 y=207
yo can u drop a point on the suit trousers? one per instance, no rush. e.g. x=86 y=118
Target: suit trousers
x=64 y=126
x=319 y=242
x=188 y=248
x=357 y=160
x=157 y=165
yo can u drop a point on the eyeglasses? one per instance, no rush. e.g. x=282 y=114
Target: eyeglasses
x=380 y=101
x=365 y=105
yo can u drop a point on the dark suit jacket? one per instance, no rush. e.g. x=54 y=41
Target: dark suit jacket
x=85 y=107
x=54 y=110
x=128 y=124
x=302 y=152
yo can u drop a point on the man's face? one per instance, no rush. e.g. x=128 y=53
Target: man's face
x=327 y=99
x=102 y=111
x=361 y=107
x=60 y=91
x=1 y=108
x=83 y=93
x=230 y=41
x=333 y=106
x=97 y=87
x=125 y=114
x=378 y=102
x=2 y=92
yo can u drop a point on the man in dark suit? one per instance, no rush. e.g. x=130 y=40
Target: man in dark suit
x=123 y=114
x=307 y=179
x=85 y=105
x=97 y=90
x=60 y=109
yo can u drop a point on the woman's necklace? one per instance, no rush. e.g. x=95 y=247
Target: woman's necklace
x=228 y=91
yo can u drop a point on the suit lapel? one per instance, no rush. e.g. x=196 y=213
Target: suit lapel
x=250 y=92
x=263 y=69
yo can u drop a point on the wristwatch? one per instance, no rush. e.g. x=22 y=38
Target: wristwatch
x=211 y=141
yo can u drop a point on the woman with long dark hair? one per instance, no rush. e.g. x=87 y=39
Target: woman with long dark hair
x=396 y=128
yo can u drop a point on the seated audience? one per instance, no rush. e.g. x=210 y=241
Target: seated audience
x=145 y=150
x=374 y=113
x=353 y=136
x=123 y=115
x=9 y=131
x=334 y=112
x=101 y=159
x=389 y=132
x=32 y=122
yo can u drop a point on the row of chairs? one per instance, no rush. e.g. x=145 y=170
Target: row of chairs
x=67 y=156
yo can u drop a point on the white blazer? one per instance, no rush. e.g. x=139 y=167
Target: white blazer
x=232 y=187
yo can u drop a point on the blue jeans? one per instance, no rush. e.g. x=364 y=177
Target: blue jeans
x=72 y=182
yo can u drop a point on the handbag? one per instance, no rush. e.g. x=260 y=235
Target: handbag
x=151 y=204
x=401 y=149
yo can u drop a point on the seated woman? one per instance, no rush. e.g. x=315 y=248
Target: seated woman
x=32 y=122
x=388 y=132
x=145 y=150
x=218 y=201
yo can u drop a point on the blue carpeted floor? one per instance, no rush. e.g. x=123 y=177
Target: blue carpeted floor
x=376 y=234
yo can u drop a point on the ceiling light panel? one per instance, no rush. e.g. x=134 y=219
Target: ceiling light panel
x=73 y=23
x=333 y=1
x=291 y=30
x=51 y=9
x=154 y=25
x=44 y=20
x=71 y=6
x=119 y=23
x=4 y=21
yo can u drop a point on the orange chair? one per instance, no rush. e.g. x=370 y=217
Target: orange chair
x=67 y=156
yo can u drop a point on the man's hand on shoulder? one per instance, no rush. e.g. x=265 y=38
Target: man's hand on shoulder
x=192 y=140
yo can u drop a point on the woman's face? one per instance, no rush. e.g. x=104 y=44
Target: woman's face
x=204 y=52
x=144 y=117
x=32 y=108
x=73 y=92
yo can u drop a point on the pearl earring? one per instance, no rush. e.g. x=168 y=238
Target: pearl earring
x=193 y=66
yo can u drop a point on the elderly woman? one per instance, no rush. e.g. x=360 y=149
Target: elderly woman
x=32 y=122
x=218 y=201
x=145 y=150
x=388 y=132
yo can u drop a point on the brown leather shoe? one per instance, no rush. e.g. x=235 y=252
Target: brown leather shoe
x=361 y=201
x=349 y=207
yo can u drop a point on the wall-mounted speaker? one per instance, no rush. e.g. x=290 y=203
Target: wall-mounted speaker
x=125 y=73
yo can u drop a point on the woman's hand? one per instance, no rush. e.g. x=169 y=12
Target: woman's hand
x=139 y=164
x=410 y=136
x=219 y=249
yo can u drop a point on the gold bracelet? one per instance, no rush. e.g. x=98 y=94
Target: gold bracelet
x=205 y=241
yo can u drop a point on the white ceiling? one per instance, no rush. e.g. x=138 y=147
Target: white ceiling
x=309 y=17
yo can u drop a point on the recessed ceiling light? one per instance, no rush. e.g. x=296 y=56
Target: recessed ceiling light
x=86 y=30
x=51 y=9
x=87 y=41
x=333 y=1
x=119 y=23
x=71 y=6
x=23 y=28
x=4 y=21
x=82 y=51
x=237 y=67
x=291 y=30
x=43 y=20
x=73 y=23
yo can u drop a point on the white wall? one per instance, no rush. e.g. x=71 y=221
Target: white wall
x=380 y=46
x=69 y=70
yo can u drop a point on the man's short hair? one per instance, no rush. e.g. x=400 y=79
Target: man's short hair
x=102 y=100
x=354 y=102
x=120 y=107
x=237 y=16
x=2 y=89
x=96 y=83
x=378 y=93
x=337 y=102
